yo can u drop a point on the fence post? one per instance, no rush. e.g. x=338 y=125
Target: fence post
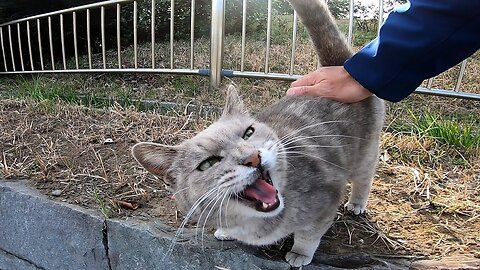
x=216 y=40
x=351 y=10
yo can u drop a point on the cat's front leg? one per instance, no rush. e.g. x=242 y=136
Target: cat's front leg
x=357 y=202
x=304 y=246
x=361 y=181
x=305 y=242
x=224 y=234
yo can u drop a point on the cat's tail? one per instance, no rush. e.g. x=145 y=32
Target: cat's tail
x=329 y=42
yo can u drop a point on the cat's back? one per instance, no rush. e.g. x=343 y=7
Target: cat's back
x=297 y=112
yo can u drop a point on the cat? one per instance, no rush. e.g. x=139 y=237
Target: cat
x=283 y=171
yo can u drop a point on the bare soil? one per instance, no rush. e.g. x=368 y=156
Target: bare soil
x=81 y=155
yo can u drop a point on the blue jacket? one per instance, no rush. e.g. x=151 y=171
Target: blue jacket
x=417 y=41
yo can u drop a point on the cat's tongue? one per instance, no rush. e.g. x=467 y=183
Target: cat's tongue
x=261 y=191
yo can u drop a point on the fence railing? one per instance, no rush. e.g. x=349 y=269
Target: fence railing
x=38 y=64
x=27 y=45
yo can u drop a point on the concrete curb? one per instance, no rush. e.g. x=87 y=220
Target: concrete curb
x=37 y=233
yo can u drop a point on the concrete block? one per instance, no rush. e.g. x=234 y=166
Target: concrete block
x=37 y=233
x=48 y=234
x=10 y=262
x=140 y=245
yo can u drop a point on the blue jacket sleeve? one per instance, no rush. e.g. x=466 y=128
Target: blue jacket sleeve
x=417 y=41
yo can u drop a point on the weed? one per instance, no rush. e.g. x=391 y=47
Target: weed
x=104 y=207
x=448 y=131
x=38 y=89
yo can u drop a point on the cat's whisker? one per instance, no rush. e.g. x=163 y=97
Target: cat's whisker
x=204 y=210
x=220 y=208
x=226 y=207
x=312 y=126
x=294 y=139
x=300 y=138
x=186 y=219
x=217 y=199
x=286 y=136
x=188 y=216
x=316 y=157
x=197 y=204
x=178 y=191
x=315 y=146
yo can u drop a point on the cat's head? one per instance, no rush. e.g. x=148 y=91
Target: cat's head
x=236 y=163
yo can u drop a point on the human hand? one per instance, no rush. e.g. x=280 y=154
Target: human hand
x=332 y=82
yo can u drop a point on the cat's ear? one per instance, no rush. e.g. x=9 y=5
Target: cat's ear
x=233 y=103
x=155 y=158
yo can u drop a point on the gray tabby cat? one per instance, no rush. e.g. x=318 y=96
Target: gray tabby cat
x=261 y=178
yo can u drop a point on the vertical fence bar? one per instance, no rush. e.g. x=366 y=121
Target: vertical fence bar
x=11 y=47
x=192 y=32
x=269 y=30
x=40 y=44
x=350 y=23
x=135 y=7
x=3 y=49
x=62 y=39
x=51 y=41
x=294 y=41
x=102 y=26
x=20 y=47
x=460 y=75
x=216 y=40
x=244 y=34
x=172 y=17
x=153 y=33
x=380 y=15
x=75 y=46
x=29 y=40
x=89 y=47
x=119 y=53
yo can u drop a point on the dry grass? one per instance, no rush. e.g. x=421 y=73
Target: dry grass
x=416 y=208
x=424 y=200
x=85 y=152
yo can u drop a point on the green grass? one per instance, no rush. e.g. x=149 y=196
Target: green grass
x=48 y=90
x=455 y=131
x=37 y=89
x=103 y=206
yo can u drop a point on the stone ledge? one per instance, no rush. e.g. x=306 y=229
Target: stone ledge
x=47 y=234
x=10 y=261
x=37 y=233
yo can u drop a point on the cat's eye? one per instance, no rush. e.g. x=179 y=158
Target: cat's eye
x=207 y=163
x=248 y=133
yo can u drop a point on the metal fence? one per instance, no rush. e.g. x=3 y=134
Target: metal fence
x=39 y=57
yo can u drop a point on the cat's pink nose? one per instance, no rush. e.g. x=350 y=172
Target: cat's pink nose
x=253 y=160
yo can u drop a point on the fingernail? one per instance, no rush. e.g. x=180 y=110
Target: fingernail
x=290 y=92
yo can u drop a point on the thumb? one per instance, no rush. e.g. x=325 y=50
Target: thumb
x=308 y=79
x=300 y=91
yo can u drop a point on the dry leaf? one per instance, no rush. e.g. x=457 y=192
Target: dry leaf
x=126 y=205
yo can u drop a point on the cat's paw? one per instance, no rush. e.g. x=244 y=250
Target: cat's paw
x=222 y=235
x=355 y=208
x=297 y=260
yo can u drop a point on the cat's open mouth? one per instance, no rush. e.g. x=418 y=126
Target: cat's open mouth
x=261 y=195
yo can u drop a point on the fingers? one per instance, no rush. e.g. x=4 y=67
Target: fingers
x=334 y=83
x=300 y=91
x=309 y=79
x=348 y=94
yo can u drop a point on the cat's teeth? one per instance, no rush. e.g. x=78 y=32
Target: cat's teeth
x=265 y=205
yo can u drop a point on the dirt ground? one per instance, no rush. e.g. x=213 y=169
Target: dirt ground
x=81 y=155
